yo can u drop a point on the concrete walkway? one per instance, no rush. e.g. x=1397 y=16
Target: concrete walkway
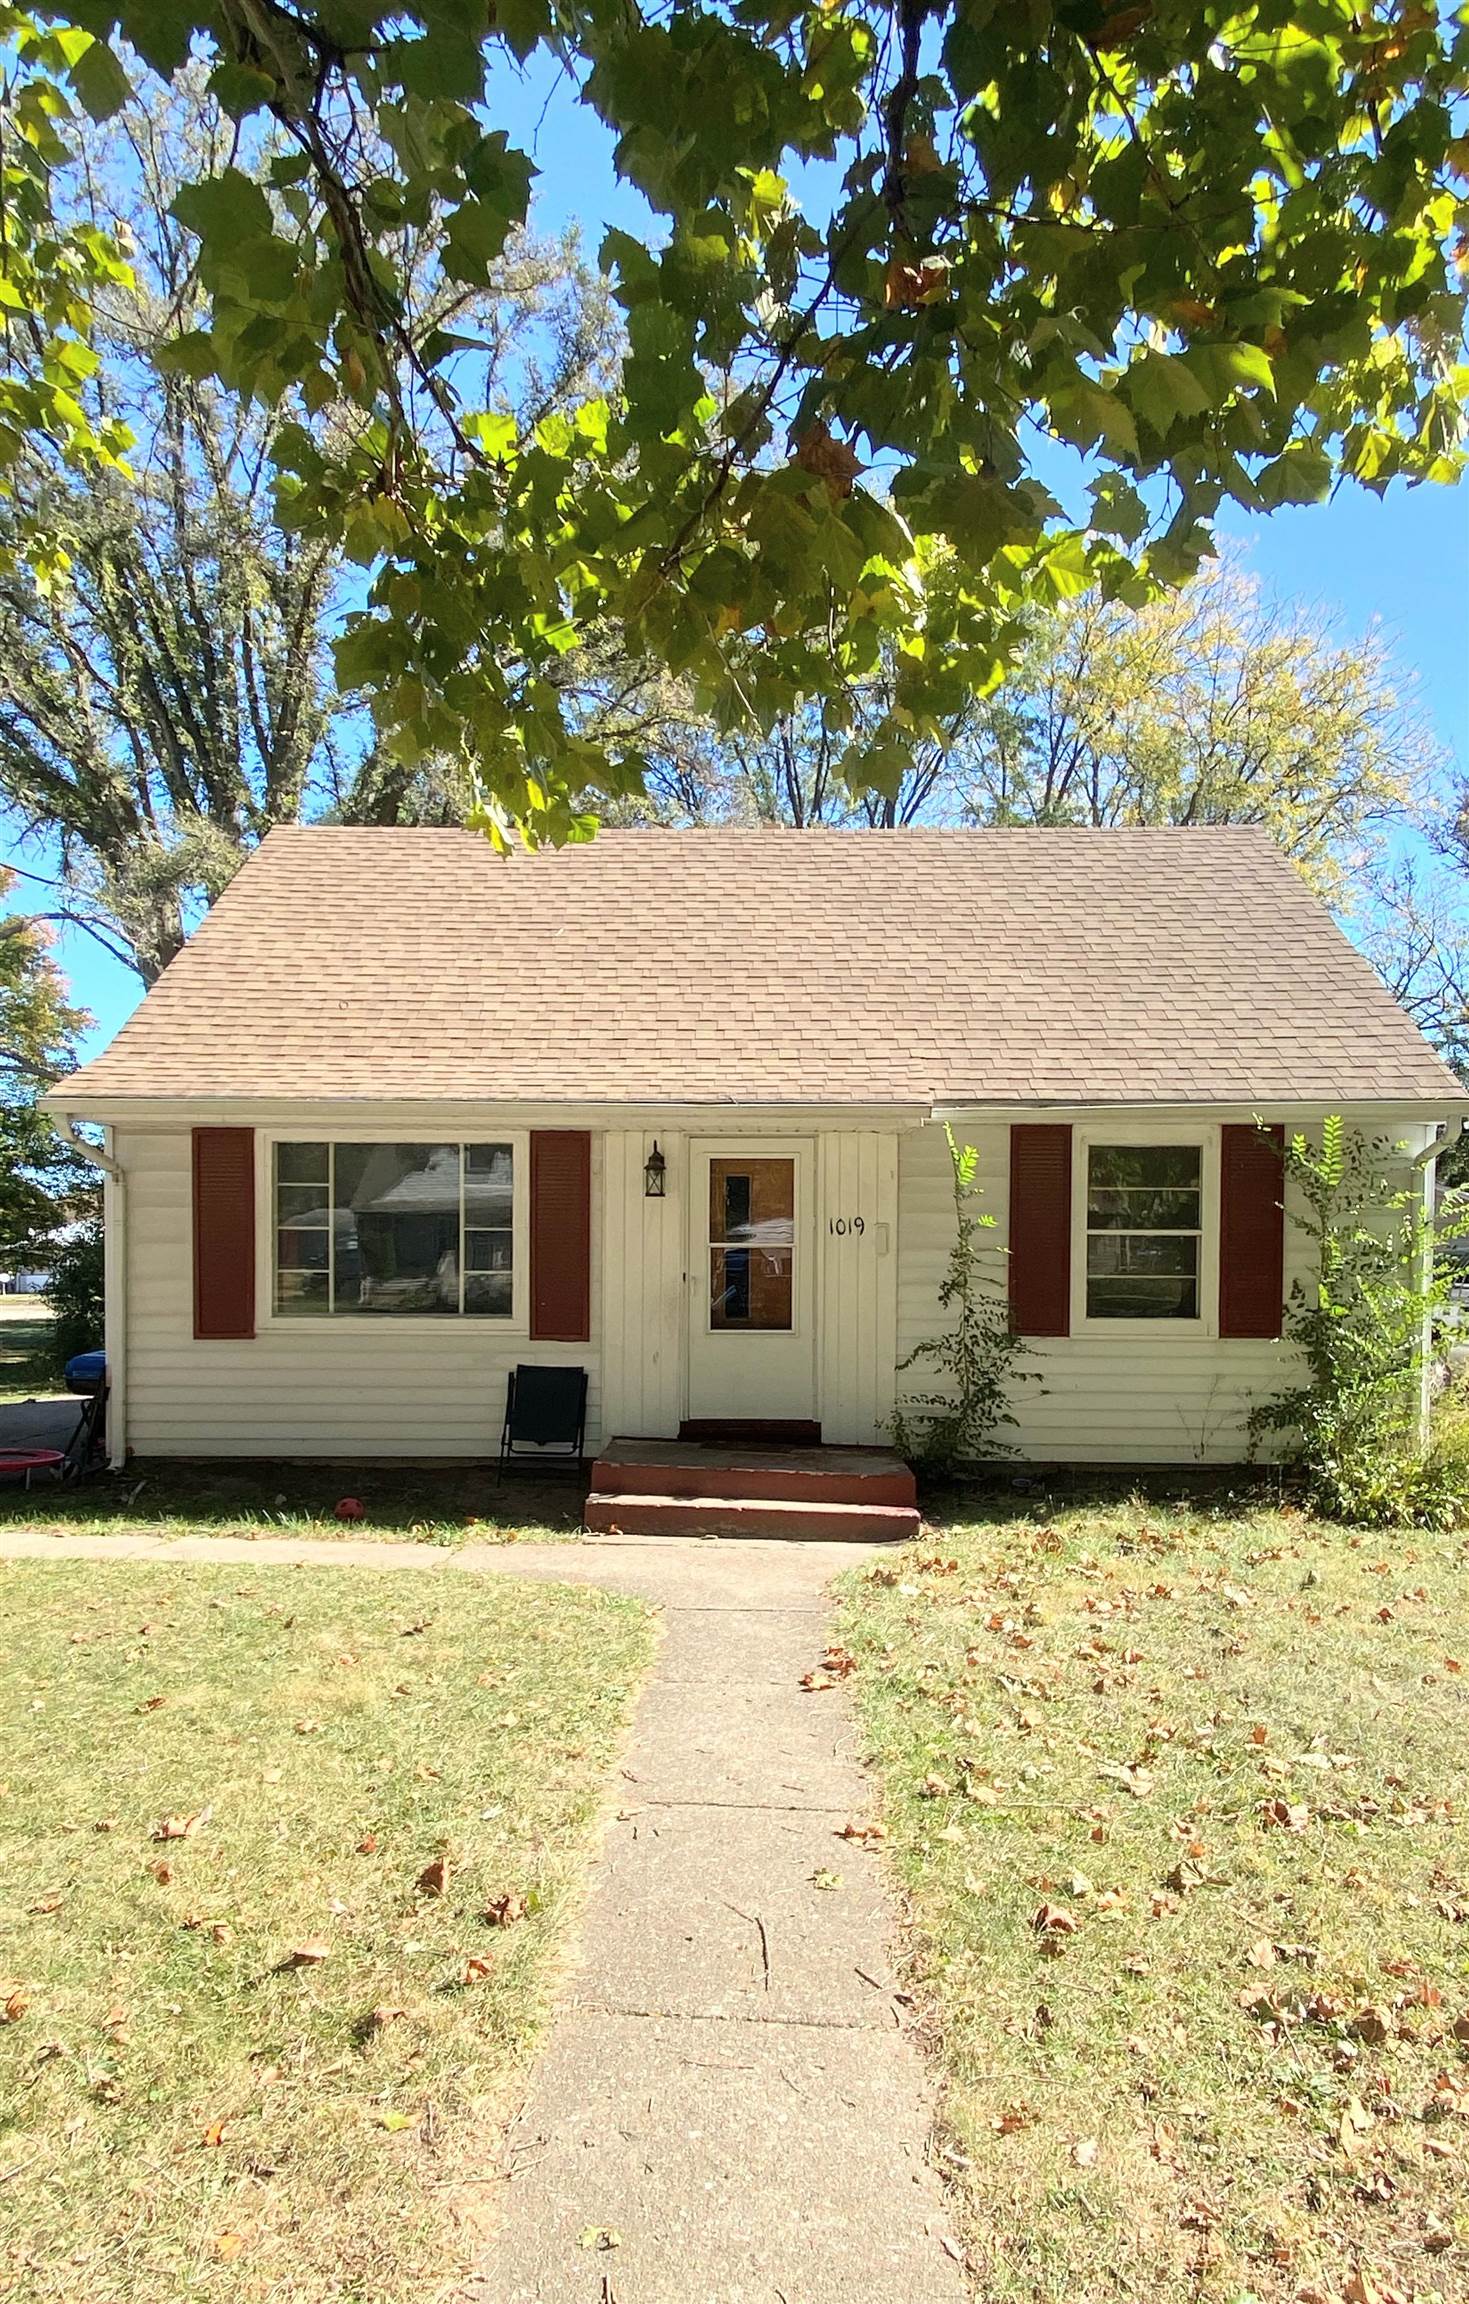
x=728 y=2087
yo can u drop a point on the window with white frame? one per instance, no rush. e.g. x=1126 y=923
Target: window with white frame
x=376 y=1229
x=1144 y=1231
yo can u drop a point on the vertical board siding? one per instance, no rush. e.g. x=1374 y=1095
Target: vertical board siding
x=561 y=1234
x=306 y=1388
x=223 y=1229
x=644 y=1286
x=857 y=1285
x=1093 y=1398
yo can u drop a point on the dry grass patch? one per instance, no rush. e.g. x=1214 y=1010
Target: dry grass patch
x=286 y=1858
x=1179 y=1805
x=443 y=1504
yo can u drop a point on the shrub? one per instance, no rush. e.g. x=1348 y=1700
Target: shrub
x=961 y=1422
x=1355 y=1426
x=75 y=1293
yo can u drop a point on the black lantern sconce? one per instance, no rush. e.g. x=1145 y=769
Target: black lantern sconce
x=655 y=1174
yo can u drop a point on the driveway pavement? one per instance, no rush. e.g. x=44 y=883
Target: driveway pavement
x=728 y=2108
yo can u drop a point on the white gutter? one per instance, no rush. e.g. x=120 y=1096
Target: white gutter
x=114 y=1278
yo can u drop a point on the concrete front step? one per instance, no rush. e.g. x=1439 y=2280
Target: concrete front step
x=808 y=1476
x=624 y=1513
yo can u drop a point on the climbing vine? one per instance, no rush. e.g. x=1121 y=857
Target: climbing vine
x=973 y=1360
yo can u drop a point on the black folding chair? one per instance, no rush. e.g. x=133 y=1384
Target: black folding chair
x=545 y=1417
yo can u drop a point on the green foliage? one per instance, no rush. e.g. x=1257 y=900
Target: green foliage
x=973 y=1360
x=1213 y=249
x=42 y=1182
x=1362 y=1322
x=74 y=1291
x=51 y=273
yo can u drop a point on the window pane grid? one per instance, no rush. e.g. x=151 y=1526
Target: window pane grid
x=368 y=1230
x=1144 y=1226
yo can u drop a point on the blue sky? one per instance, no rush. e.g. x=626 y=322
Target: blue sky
x=1399 y=563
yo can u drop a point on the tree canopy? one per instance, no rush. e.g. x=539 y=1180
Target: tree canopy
x=1211 y=249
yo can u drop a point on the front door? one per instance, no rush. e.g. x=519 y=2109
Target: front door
x=751 y=1316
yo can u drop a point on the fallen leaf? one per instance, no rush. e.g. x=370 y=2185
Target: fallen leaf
x=599 y=2236
x=1084 y=2151
x=862 y=1832
x=179 y=1827
x=367 y=1845
x=14 y=2005
x=395 y=2122
x=1054 y=1920
x=477 y=1968
x=307 y=1955
x=503 y=1911
x=433 y=1880
x=214 y=2133
x=228 y=2245
x=822 y=1878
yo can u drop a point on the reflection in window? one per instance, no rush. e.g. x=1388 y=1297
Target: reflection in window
x=752 y=1233
x=384 y=1228
x=1143 y=1229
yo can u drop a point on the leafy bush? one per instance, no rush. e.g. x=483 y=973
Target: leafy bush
x=1355 y=1427
x=75 y=1293
x=961 y=1422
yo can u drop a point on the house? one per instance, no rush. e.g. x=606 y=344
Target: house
x=670 y=1105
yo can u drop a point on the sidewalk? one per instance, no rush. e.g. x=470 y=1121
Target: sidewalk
x=728 y=2087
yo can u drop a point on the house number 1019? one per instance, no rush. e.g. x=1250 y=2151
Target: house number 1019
x=841 y=1225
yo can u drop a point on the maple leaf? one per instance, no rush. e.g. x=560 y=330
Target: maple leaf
x=828 y=459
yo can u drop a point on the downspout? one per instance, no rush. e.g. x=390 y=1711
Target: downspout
x=1422 y=1164
x=114 y=1278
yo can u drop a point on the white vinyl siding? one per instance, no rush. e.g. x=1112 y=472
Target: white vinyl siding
x=306 y=1388
x=1116 y=1391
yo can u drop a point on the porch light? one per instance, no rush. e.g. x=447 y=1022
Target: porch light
x=655 y=1170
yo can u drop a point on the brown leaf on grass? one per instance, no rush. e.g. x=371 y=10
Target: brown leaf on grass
x=47 y=1904
x=162 y=1871
x=1132 y=1776
x=433 y=1880
x=477 y=1968
x=1286 y=1815
x=1012 y=2118
x=1370 y=2025
x=384 y=2015
x=504 y=1910
x=180 y=1827
x=14 y=2004
x=935 y=1788
x=1054 y=1920
x=839 y=1661
x=367 y=1845
x=214 y=2133
x=308 y=1955
x=814 y=1681
x=151 y=1704
x=1261 y=1953
x=866 y=1833
x=228 y=2245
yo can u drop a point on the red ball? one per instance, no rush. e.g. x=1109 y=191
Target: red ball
x=350 y=1508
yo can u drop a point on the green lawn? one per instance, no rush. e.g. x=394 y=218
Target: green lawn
x=443 y=1504
x=258 y=2039
x=1180 y=1804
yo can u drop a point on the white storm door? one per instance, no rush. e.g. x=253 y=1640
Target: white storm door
x=751 y=1315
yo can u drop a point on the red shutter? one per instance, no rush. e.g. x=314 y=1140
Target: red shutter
x=224 y=1232
x=561 y=1234
x=1251 y=1231
x=1040 y=1229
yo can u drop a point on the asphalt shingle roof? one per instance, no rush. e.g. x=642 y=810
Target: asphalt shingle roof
x=757 y=966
